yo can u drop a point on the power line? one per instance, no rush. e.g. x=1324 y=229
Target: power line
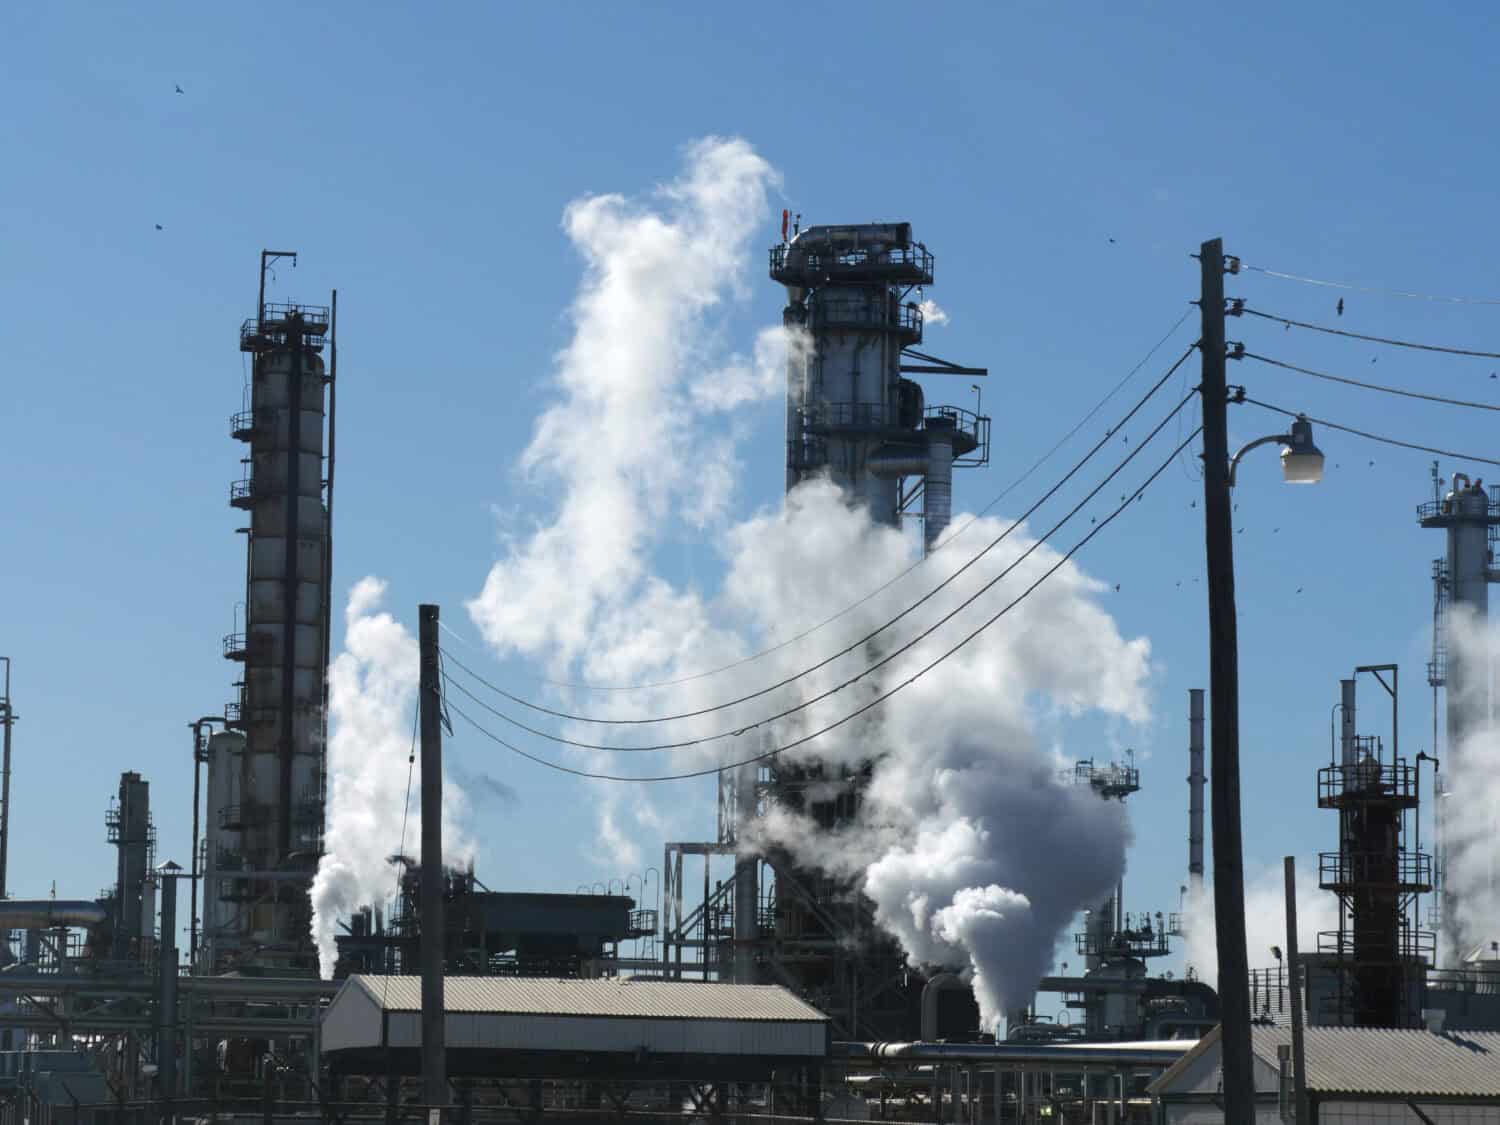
x=1372 y=288
x=1370 y=386
x=868 y=636
x=873 y=703
x=753 y=657
x=1372 y=437
x=1372 y=339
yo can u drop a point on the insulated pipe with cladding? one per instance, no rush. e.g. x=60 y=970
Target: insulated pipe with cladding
x=937 y=491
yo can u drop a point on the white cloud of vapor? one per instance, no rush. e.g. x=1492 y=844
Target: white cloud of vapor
x=974 y=853
x=1265 y=919
x=372 y=694
x=933 y=314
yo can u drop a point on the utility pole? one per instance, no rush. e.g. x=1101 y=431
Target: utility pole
x=1224 y=702
x=430 y=689
x=1299 y=1052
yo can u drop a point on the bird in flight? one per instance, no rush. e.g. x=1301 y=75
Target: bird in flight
x=1340 y=305
x=178 y=88
x=158 y=226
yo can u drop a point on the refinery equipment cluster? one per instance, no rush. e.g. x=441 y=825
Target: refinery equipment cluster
x=98 y=1004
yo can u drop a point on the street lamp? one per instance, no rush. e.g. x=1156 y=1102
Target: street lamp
x=1301 y=463
x=1301 y=460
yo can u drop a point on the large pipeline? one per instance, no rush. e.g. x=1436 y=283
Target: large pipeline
x=1154 y=1053
x=49 y=914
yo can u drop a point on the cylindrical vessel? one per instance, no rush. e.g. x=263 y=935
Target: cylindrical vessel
x=938 y=490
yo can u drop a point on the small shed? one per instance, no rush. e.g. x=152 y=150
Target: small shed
x=533 y=1027
x=1354 y=1074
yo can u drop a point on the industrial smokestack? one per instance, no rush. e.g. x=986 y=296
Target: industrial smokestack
x=1347 y=752
x=1195 y=791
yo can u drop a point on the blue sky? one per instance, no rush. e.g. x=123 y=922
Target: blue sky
x=421 y=164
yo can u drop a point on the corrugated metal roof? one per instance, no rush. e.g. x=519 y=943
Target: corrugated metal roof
x=1376 y=1061
x=609 y=996
x=1372 y=1060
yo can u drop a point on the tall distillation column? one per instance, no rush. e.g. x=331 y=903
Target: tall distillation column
x=853 y=417
x=1461 y=581
x=270 y=836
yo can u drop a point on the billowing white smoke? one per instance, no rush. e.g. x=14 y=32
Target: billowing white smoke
x=976 y=855
x=372 y=694
x=1265 y=919
x=1471 y=813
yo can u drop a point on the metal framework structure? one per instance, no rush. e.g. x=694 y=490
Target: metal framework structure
x=1379 y=954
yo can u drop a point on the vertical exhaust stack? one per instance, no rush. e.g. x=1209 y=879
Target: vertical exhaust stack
x=1196 y=781
x=1468 y=515
x=1348 y=752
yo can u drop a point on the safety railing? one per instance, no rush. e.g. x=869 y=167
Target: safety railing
x=242 y=493
x=1411 y=944
x=1407 y=872
x=912 y=262
x=235 y=646
x=1367 y=780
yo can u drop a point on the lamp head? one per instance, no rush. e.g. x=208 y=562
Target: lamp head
x=1301 y=460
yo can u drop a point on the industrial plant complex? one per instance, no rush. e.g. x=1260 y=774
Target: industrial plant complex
x=747 y=982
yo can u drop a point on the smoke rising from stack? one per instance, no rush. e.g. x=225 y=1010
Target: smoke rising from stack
x=976 y=855
x=1471 y=813
x=372 y=693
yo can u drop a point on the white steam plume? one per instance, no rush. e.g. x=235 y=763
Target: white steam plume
x=1471 y=812
x=976 y=855
x=372 y=694
x=1265 y=919
x=933 y=314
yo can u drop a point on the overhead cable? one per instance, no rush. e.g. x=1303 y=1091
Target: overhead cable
x=1372 y=288
x=886 y=585
x=882 y=628
x=849 y=682
x=1372 y=437
x=865 y=708
x=1371 y=386
x=1373 y=339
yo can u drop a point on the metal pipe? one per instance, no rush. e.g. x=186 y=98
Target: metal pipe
x=166 y=1007
x=1299 y=1054
x=47 y=914
x=199 y=756
x=937 y=489
x=746 y=879
x=1196 y=782
x=333 y=389
x=1347 y=751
